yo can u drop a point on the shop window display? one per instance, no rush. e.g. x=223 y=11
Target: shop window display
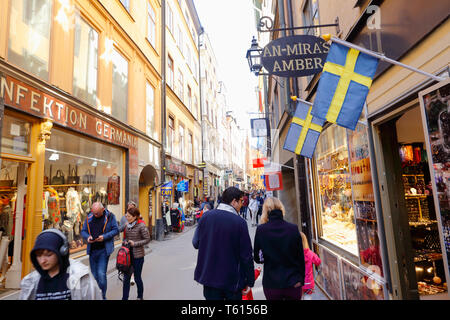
x=363 y=200
x=420 y=208
x=76 y=175
x=334 y=182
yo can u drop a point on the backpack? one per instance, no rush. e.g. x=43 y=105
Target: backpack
x=123 y=261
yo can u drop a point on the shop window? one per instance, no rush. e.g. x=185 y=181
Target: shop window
x=16 y=136
x=85 y=66
x=78 y=174
x=150 y=111
x=336 y=215
x=151 y=25
x=120 y=86
x=29 y=36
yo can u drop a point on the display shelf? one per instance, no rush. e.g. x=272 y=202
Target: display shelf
x=367 y=220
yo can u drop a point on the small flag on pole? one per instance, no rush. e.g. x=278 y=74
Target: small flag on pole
x=343 y=86
x=304 y=131
x=258 y=163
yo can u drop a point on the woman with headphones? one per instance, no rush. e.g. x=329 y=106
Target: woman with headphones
x=57 y=277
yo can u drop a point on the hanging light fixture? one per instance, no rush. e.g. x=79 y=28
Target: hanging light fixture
x=254 y=57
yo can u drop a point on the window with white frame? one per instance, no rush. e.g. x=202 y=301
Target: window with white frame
x=170 y=135
x=150 y=111
x=29 y=35
x=181 y=143
x=170 y=71
x=85 y=62
x=151 y=25
x=189 y=98
x=119 y=86
x=189 y=150
x=180 y=85
x=169 y=19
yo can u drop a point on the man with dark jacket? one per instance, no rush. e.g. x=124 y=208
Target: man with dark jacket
x=225 y=265
x=99 y=230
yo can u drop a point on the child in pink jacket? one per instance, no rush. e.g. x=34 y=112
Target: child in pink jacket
x=310 y=258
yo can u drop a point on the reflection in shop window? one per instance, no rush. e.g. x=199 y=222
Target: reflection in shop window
x=77 y=174
x=29 y=35
x=120 y=86
x=16 y=136
x=336 y=208
x=85 y=65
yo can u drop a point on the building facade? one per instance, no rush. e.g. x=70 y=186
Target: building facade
x=75 y=79
x=373 y=201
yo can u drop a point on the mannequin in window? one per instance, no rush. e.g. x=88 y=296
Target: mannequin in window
x=54 y=212
x=86 y=202
x=74 y=210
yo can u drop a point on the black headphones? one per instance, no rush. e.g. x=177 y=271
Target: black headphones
x=64 y=250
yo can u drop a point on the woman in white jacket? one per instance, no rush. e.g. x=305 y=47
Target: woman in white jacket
x=253 y=207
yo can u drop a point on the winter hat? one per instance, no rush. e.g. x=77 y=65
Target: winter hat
x=52 y=242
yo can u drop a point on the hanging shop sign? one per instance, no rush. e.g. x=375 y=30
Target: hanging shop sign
x=175 y=168
x=260 y=127
x=295 y=56
x=166 y=189
x=273 y=181
x=183 y=186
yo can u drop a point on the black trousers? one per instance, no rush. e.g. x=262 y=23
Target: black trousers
x=211 y=293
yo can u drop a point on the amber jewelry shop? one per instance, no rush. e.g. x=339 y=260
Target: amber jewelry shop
x=58 y=156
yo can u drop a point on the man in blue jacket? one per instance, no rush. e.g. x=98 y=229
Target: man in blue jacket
x=99 y=230
x=225 y=265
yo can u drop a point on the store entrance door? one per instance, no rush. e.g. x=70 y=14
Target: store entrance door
x=412 y=213
x=13 y=199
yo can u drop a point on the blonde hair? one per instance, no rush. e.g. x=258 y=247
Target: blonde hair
x=270 y=204
x=304 y=241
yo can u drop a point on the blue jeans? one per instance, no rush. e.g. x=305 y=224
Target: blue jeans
x=98 y=260
x=138 y=264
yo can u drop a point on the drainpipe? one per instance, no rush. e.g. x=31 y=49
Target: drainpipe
x=201 y=106
x=159 y=228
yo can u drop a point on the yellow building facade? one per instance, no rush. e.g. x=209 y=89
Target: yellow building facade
x=76 y=78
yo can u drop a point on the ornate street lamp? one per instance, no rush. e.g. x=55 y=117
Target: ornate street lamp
x=254 y=57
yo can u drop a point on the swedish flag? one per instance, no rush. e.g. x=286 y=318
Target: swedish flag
x=343 y=86
x=304 y=131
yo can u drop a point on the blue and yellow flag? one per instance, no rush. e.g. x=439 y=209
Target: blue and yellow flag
x=304 y=131
x=343 y=86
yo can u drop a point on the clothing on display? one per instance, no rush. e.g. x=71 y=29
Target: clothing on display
x=113 y=189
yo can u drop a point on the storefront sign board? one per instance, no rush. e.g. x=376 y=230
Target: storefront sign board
x=24 y=97
x=295 y=56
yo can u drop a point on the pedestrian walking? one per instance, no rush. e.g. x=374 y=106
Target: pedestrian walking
x=123 y=220
x=225 y=265
x=244 y=206
x=136 y=236
x=56 y=276
x=310 y=259
x=253 y=206
x=260 y=199
x=278 y=245
x=123 y=224
x=99 y=231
